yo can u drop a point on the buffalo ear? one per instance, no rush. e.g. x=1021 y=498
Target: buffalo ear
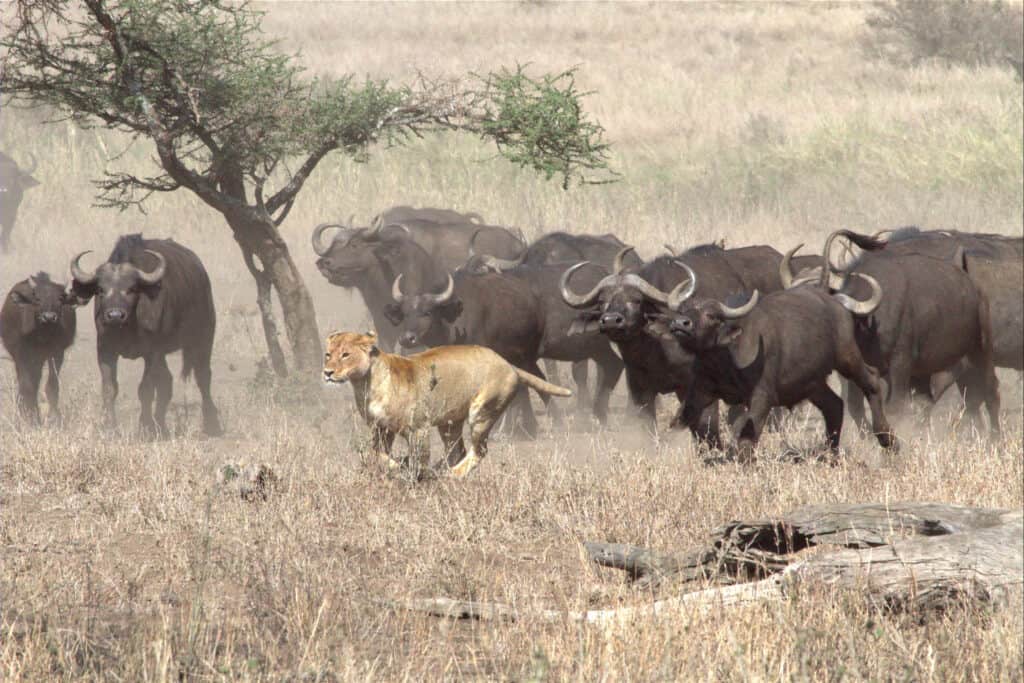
x=80 y=293
x=393 y=312
x=451 y=310
x=727 y=334
x=584 y=325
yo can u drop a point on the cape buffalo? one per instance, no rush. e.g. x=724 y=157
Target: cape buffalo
x=554 y=247
x=775 y=350
x=13 y=183
x=621 y=305
x=933 y=316
x=153 y=297
x=369 y=262
x=37 y=324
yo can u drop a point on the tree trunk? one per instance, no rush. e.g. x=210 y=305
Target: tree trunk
x=261 y=238
x=903 y=557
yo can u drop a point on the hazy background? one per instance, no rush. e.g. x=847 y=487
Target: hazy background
x=756 y=123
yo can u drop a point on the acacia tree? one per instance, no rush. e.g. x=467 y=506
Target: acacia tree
x=238 y=123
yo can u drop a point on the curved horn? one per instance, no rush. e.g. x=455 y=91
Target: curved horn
x=617 y=264
x=444 y=296
x=645 y=287
x=319 y=247
x=35 y=164
x=498 y=264
x=785 y=269
x=732 y=313
x=576 y=300
x=827 y=267
x=866 y=307
x=396 y=289
x=376 y=232
x=670 y=250
x=31 y=282
x=684 y=290
x=80 y=275
x=154 y=276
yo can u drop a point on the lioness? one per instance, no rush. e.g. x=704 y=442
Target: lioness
x=443 y=387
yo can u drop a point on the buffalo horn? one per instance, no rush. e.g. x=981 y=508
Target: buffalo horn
x=785 y=269
x=396 y=289
x=498 y=264
x=31 y=282
x=619 y=258
x=576 y=300
x=319 y=247
x=80 y=275
x=866 y=307
x=35 y=164
x=645 y=287
x=444 y=296
x=156 y=275
x=684 y=290
x=732 y=313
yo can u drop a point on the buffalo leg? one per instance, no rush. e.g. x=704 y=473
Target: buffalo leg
x=163 y=382
x=831 y=407
x=699 y=413
x=981 y=385
x=749 y=427
x=108 y=376
x=580 y=373
x=643 y=400
x=211 y=418
x=53 y=386
x=147 y=389
x=869 y=382
x=609 y=370
x=29 y=371
x=853 y=397
x=10 y=215
x=551 y=374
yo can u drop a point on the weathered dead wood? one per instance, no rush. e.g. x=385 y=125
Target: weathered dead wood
x=903 y=556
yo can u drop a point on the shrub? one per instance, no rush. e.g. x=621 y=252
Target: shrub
x=964 y=32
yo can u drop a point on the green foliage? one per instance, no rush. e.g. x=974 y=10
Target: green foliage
x=227 y=108
x=539 y=123
x=957 y=32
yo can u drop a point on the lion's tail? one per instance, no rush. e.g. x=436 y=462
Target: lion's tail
x=537 y=384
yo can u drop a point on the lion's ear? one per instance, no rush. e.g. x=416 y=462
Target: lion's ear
x=371 y=334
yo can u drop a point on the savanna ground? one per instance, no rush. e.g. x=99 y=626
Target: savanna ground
x=753 y=123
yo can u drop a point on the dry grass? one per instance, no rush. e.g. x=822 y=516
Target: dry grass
x=762 y=122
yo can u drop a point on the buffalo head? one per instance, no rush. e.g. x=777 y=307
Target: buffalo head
x=352 y=251
x=42 y=302
x=619 y=304
x=705 y=324
x=424 y=319
x=116 y=286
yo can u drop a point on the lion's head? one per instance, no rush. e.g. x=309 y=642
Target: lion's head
x=348 y=357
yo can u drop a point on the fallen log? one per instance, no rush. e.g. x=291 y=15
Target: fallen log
x=901 y=557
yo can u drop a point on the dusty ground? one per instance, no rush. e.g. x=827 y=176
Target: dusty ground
x=121 y=559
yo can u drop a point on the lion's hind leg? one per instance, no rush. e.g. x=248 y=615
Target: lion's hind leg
x=451 y=437
x=484 y=412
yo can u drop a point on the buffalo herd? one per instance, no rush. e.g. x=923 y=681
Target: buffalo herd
x=897 y=313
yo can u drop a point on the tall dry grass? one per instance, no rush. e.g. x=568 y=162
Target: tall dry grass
x=753 y=122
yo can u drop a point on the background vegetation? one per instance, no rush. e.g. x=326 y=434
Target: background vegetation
x=752 y=122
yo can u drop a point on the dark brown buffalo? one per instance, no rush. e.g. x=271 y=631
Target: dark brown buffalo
x=397 y=214
x=153 y=297
x=757 y=267
x=446 y=242
x=554 y=247
x=563 y=248
x=933 y=318
x=620 y=307
x=13 y=183
x=492 y=310
x=775 y=350
x=370 y=261
x=37 y=325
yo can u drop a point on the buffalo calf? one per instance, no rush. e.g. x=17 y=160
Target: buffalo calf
x=37 y=325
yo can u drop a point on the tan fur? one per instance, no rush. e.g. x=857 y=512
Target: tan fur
x=445 y=387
